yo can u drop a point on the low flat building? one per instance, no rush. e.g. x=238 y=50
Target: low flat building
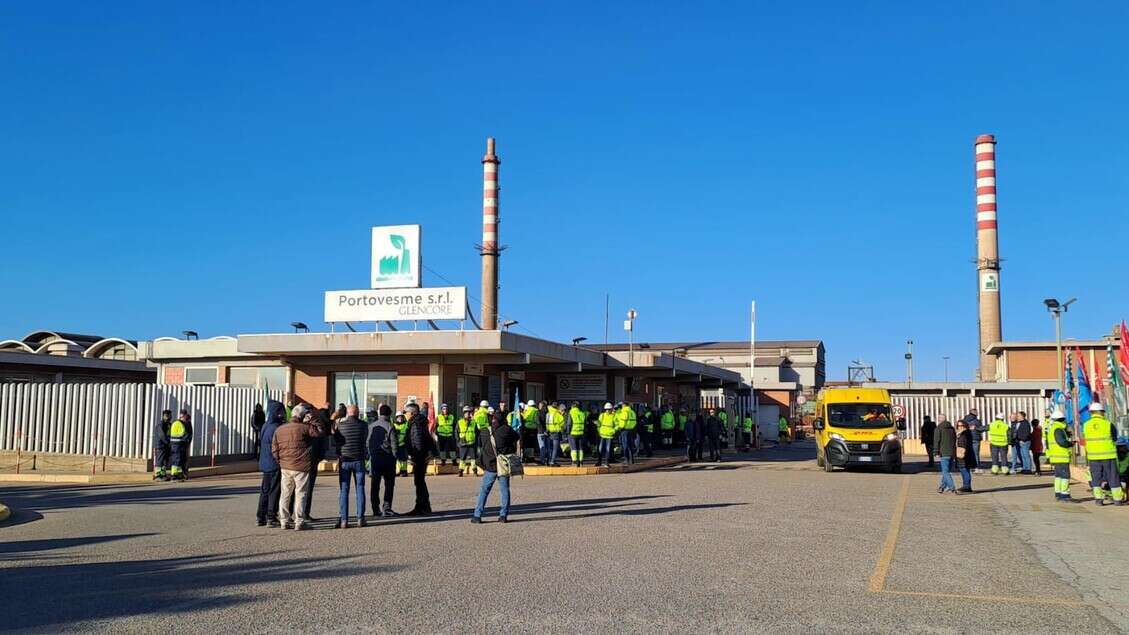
x=57 y=357
x=1038 y=361
x=450 y=366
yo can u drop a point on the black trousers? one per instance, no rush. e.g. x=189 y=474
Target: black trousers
x=162 y=460
x=269 y=493
x=419 y=477
x=317 y=453
x=382 y=472
x=929 y=451
x=648 y=443
x=714 y=444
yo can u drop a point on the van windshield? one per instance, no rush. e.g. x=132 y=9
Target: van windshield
x=859 y=415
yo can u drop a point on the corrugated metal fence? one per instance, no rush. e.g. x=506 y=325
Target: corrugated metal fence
x=116 y=420
x=956 y=407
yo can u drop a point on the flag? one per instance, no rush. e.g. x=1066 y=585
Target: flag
x=1085 y=397
x=1098 y=382
x=353 y=389
x=515 y=416
x=1123 y=354
x=1116 y=386
x=1068 y=407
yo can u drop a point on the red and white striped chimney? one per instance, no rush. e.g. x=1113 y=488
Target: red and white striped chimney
x=490 y=251
x=987 y=254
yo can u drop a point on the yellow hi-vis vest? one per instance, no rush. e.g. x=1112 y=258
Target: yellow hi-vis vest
x=607 y=425
x=445 y=425
x=748 y=424
x=577 y=417
x=625 y=418
x=782 y=424
x=401 y=433
x=481 y=418
x=554 y=420
x=1055 y=452
x=667 y=421
x=529 y=418
x=648 y=421
x=177 y=431
x=997 y=433
x=466 y=431
x=1099 y=444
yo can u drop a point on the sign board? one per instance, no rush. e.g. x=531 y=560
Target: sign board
x=474 y=369
x=582 y=387
x=516 y=374
x=899 y=411
x=801 y=399
x=375 y=305
x=989 y=282
x=395 y=256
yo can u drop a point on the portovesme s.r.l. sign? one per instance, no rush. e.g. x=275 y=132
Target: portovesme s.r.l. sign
x=395 y=256
x=378 y=305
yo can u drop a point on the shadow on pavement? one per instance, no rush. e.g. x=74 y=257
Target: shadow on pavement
x=8 y=549
x=61 y=594
x=584 y=504
x=49 y=498
x=648 y=511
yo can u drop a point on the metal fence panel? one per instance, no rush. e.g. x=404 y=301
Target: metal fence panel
x=117 y=420
x=956 y=407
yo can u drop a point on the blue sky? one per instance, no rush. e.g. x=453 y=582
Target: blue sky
x=216 y=166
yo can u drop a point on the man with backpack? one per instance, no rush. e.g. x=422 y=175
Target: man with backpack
x=382 y=450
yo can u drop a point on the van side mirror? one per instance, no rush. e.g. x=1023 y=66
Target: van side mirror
x=902 y=423
x=817 y=424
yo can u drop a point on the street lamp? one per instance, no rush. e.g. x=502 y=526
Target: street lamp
x=946 y=358
x=629 y=326
x=1056 y=310
x=909 y=362
x=507 y=324
x=577 y=340
x=190 y=335
x=300 y=326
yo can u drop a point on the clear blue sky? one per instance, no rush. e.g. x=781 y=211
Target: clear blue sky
x=216 y=166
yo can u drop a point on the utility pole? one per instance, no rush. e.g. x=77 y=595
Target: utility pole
x=946 y=358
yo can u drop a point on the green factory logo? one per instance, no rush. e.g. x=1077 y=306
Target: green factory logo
x=398 y=264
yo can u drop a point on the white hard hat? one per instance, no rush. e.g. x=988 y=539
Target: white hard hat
x=490 y=410
x=1058 y=414
x=1097 y=407
x=484 y=403
x=1001 y=416
x=531 y=404
x=608 y=406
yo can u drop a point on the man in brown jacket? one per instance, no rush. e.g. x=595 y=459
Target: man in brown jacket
x=291 y=447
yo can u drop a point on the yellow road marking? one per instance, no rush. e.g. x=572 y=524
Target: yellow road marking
x=990 y=598
x=878 y=578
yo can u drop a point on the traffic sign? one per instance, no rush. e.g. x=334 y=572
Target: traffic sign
x=899 y=411
x=800 y=399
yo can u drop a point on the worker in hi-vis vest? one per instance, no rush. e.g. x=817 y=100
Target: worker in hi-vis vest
x=997 y=441
x=180 y=442
x=1057 y=444
x=445 y=435
x=576 y=419
x=625 y=422
x=554 y=425
x=1101 y=453
x=161 y=449
x=747 y=431
x=606 y=427
x=467 y=441
x=666 y=424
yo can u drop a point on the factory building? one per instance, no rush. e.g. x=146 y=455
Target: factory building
x=70 y=358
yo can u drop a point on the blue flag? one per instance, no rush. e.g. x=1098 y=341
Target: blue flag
x=515 y=418
x=1067 y=405
x=1085 y=397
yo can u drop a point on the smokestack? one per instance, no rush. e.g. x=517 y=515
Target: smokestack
x=987 y=253
x=490 y=251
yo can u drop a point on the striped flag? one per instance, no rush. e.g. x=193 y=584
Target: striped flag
x=1123 y=354
x=353 y=389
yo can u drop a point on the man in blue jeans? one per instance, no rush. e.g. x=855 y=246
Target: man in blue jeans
x=351 y=437
x=945 y=444
x=501 y=439
x=1023 y=443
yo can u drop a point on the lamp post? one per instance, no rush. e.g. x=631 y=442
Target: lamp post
x=946 y=358
x=1056 y=310
x=909 y=362
x=629 y=326
x=507 y=324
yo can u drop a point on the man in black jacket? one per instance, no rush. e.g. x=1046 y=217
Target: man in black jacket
x=317 y=455
x=927 y=429
x=351 y=436
x=382 y=445
x=421 y=446
x=161 y=449
x=946 y=443
x=713 y=427
x=1023 y=442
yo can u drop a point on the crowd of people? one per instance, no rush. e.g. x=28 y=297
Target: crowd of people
x=383 y=446
x=1018 y=445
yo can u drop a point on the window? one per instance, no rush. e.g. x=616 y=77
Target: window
x=371 y=389
x=201 y=375
x=269 y=377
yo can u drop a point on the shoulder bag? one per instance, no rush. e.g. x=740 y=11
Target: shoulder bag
x=507 y=464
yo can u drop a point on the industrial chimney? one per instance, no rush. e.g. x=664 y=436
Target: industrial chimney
x=490 y=250
x=987 y=253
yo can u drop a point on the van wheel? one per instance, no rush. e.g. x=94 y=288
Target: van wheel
x=896 y=468
x=827 y=467
x=818 y=459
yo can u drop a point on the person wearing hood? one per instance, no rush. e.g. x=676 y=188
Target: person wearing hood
x=162 y=450
x=928 y=428
x=258 y=420
x=945 y=442
x=976 y=431
x=382 y=451
x=270 y=490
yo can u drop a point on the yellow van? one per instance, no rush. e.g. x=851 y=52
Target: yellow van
x=855 y=426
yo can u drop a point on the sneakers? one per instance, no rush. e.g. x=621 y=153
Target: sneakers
x=475 y=520
x=287 y=525
x=502 y=519
x=301 y=526
x=274 y=524
x=362 y=523
x=341 y=524
x=261 y=523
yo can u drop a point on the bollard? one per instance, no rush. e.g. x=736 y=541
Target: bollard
x=215 y=432
x=19 y=451
x=94 y=454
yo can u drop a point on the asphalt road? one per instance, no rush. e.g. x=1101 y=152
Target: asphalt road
x=764 y=545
